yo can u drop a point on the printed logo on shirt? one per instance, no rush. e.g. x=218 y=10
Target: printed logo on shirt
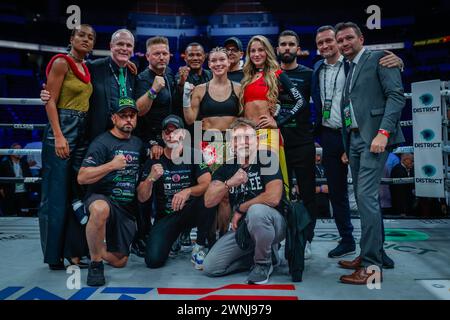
x=90 y=160
x=176 y=178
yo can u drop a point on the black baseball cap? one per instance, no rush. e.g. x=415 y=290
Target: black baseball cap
x=173 y=120
x=125 y=103
x=235 y=41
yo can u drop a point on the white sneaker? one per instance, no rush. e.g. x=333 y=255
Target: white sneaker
x=197 y=257
x=308 y=251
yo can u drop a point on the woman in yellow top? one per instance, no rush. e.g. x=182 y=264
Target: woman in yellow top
x=64 y=147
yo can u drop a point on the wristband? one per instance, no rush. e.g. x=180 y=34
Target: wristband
x=320 y=189
x=226 y=185
x=187 y=90
x=238 y=210
x=152 y=94
x=384 y=132
x=150 y=178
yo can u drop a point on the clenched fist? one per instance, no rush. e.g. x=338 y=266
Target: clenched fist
x=157 y=171
x=240 y=177
x=184 y=73
x=158 y=84
x=119 y=162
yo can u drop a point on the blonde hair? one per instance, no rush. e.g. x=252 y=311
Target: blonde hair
x=270 y=67
x=157 y=40
x=216 y=50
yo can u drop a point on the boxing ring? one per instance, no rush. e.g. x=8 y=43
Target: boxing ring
x=419 y=248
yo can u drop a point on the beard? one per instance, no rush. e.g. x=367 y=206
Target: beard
x=287 y=57
x=173 y=145
x=126 y=128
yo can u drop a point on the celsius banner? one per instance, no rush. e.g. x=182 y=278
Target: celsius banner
x=427 y=134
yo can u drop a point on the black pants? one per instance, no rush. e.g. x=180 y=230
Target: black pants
x=167 y=229
x=336 y=173
x=301 y=161
x=61 y=235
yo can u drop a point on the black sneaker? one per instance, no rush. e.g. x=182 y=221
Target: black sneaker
x=96 y=274
x=175 y=249
x=388 y=263
x=186 y=241
x=57 y=266
x=342 y=249
x=138 y=248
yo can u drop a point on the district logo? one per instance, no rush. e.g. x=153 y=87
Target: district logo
x=426 y=99
x=427 y=134
x=429 y=170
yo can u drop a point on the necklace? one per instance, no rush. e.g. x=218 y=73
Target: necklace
x=75 y=58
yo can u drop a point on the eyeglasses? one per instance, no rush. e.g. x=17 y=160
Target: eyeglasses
x=232 y=50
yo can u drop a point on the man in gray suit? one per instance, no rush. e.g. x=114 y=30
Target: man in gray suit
x=371 y=107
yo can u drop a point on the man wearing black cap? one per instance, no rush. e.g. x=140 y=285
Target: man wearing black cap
x=179 y=180
x=111 y=169
x=235 y=54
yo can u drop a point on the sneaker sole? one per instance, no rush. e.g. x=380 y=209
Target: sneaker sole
x=342 y=255
x=96 y=283
x=198 y=266
x=264 y=281
x=186 y=248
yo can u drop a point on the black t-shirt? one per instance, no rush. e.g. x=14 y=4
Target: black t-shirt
x=119 y=185
x=299 y=130
x=149 y=126
x=257 y=180
x=176 y=177
x=236 y=76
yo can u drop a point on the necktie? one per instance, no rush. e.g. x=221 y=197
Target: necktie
x=346 y=97
x=348 y=80
x=122 y=83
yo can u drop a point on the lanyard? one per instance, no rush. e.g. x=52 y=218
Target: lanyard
x=122 y=90
x=325 y=82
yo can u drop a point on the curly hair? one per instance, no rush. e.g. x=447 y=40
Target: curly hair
x=270 y=67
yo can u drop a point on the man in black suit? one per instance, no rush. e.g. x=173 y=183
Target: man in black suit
x=402 y=194
x=14 y=196
x=106 y=77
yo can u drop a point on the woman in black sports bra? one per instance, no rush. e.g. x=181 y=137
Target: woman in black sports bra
x=215 y=103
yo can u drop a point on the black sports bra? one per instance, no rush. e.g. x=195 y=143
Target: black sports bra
x=212 y=108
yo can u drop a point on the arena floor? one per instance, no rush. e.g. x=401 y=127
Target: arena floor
x=420 y=249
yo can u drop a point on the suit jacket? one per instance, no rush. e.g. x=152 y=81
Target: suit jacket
x=377 y=99
x=315 y=95
x=99 y=116
x=7 y=170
